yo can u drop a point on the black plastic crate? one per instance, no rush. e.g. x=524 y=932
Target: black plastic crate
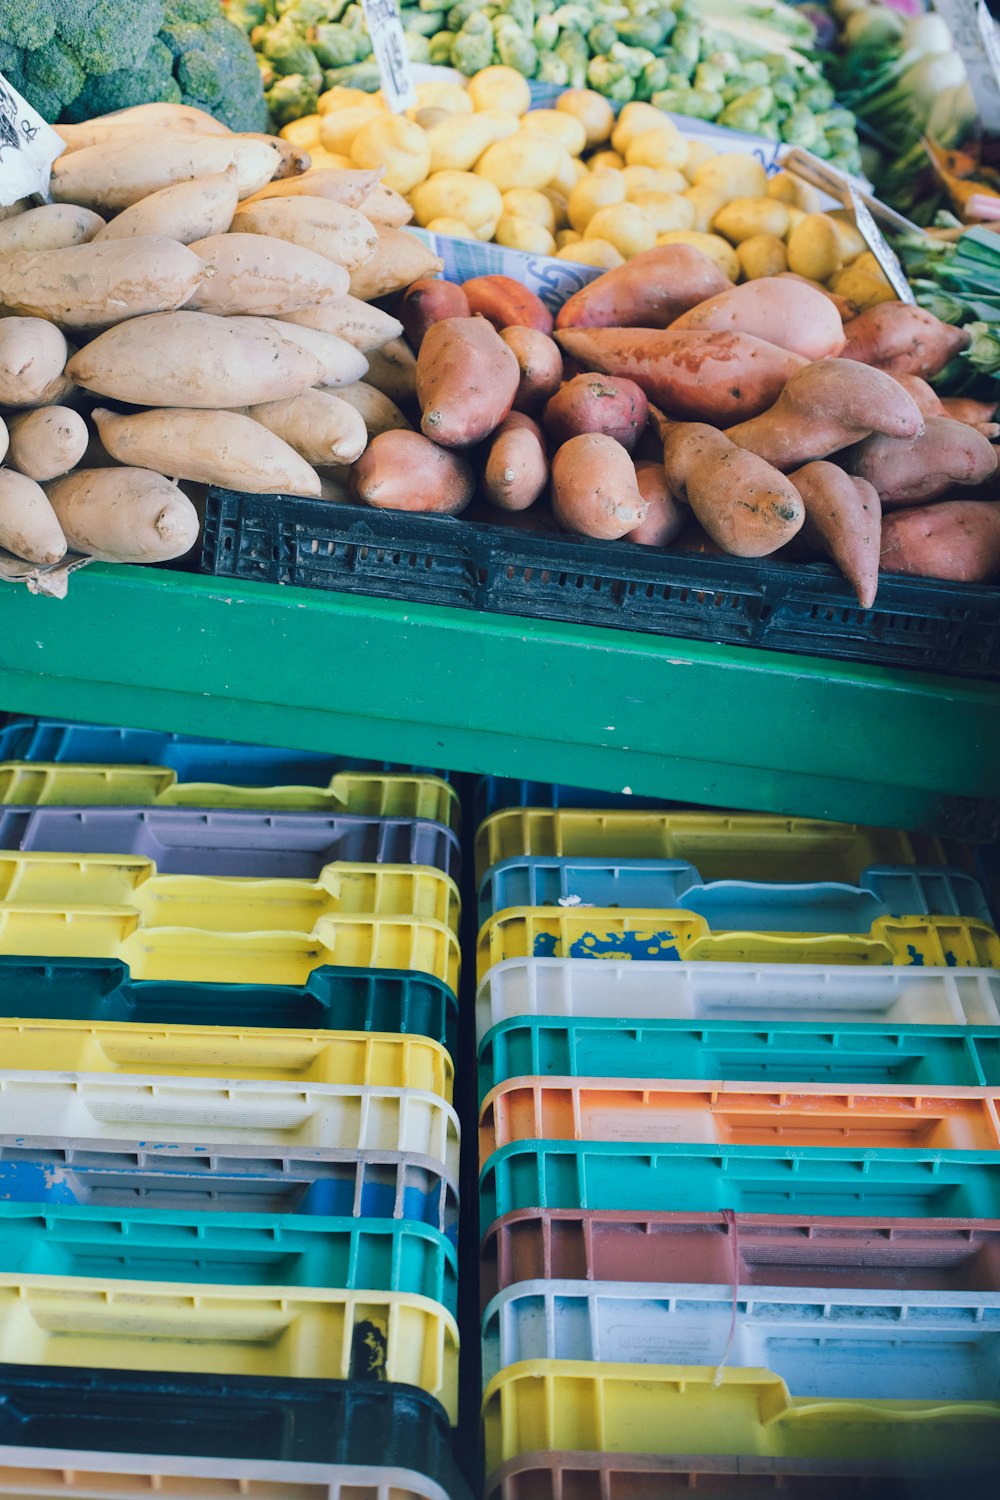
x=809 y=608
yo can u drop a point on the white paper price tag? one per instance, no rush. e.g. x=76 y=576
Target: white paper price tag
x=970 y=24
x=879 y=245
x=28 y=147
x=389 y=47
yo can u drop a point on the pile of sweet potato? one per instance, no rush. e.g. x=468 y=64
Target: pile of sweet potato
x=665 y=406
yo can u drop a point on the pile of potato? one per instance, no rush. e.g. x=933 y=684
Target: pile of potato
x=478 y=162
x=665 y=406
x=216 y=283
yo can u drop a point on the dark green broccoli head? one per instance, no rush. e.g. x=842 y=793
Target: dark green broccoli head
x=151 y=82
x=53 y=78
x=27 y=23
x=108 y=35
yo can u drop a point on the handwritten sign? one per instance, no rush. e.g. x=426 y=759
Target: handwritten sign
x=389 y=47
x=28 y=147
x=973 y=31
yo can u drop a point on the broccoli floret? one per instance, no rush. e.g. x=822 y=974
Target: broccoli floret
x=290 y=98
x=151 y=82
x=217 y=71
x=473 y=46
x=10 y=62
x=53 y=78
x=106 y=36
x=191 y=12
x=27 y=23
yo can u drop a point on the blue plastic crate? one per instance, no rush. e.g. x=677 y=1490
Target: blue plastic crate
x=734 y=905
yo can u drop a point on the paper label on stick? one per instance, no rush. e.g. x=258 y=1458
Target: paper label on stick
x=389 y=47
x=973 y=31
x=28 y=147
x=879 y=245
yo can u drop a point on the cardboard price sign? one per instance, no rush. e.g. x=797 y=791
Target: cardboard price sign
x=973 y=31
x=389 y=47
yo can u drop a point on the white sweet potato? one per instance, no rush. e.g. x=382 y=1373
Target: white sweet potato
x=33 y=355
x=393 y=371
x=385 y=208
x=144 y=117
x=100 y=283
x=378 y=412
x=209 y=447
x=253 y=273
x=399 y=259
x=48 y=441
x=355 y=322
x=124 y=515
x=293 y=160
x=342 y=234
x=342 y=363
x=28 y=525
x=185 y=211
x=322 y=428
x=346 y=187
x=194 y=359
x=130 y=166
x=51 y=227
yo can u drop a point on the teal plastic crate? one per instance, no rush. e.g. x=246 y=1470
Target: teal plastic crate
x=820 y=1180
x=233 y=1249
x=785 y=1051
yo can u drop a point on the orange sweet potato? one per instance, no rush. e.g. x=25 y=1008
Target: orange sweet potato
x=743 y=503
x=844 y=520
x=649 y=291
x=924 y=395
x=467 y=379
x=902 y=339
x=505 y=303
x=541 y=365
x=709 y=377
x=404 y=471
x=963 y=409
x=665 y=518
x=910 y=473
x=597 y=403
x=957 y=539
x=845 y=307
x=427 y=301
x=825 y=407
x=517 y=466
x=783 y=312
x=594 y=491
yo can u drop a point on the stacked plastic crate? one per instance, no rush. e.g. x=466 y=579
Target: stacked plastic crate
x=228 y=1151
x=740 y=1191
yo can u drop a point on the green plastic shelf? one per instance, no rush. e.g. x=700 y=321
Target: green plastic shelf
x=723 y=726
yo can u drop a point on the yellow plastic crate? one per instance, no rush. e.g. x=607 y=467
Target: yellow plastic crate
x=183 y=953
x=723 y=846
x=612 y=1408
x=52 y=784
x=309 y=1332
x=610 y=933
x=220 y=904
x=354 y=1058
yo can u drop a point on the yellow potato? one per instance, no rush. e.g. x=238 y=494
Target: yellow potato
x=653 y=180
x=605 y=159
x=734 y=174
x=566 y=129
x=656 y=148
x=458 y=195
x=524 y=234
x=596 y=190
x=706 y=202
x=699 y=152
x=448 y=96
x=636 y=118
x=332 y=160
x=303 y=133
x=453 y=227
x=592 y=110
x=458 y=141
x=567 y=174
x=795 y=216
x=560 y=206
x=396 y=143
x=428 y=118
x=567 y=237
x=864 y=283
x=592 y=253
x=712 y=245
x=522 y=161
x=744 y=218
x=341 y=98
x=502 y=122
x=623 y=225
x=761 y=255
x=814 y=248
x=852 y=241
x=338 y=128
x=666 y=211
x=529 y=203
x=500 y=88
x=790 y=189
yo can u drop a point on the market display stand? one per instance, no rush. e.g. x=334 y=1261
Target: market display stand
x=721 y=725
